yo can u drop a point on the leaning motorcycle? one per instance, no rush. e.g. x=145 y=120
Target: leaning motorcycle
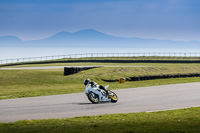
x=96 y=95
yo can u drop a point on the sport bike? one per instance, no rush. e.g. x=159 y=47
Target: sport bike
x=96 y=95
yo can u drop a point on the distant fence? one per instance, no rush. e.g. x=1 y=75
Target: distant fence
x=85 y=55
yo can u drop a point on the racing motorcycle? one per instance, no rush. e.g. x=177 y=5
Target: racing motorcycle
x=96 y=95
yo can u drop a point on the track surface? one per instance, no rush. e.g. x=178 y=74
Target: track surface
x=58 y=67
x=141 y=99
x=42 y=67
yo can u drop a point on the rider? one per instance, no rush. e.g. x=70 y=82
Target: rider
x=92 y=83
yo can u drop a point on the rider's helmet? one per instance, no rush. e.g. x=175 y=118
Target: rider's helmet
x=86 y=81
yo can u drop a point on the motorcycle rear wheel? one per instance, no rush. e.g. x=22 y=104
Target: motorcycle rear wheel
x=94 y=98
x=113 y=97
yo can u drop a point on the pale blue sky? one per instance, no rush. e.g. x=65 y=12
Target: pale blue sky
x=157 y=19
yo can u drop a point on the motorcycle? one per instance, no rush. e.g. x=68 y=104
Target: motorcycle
x=96 y=95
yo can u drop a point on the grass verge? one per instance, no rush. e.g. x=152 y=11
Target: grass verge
x=30 y=83
x=176 y=121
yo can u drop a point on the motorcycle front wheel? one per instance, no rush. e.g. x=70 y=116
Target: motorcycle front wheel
x=94 y=98
x=113 y=96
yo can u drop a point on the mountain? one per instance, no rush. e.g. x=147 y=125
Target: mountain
x=93 y=38
x=10 y=41
x=81 y=38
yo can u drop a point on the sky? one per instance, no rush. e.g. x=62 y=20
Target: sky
x=177 y=20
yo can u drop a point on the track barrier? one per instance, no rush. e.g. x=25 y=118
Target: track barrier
x=153 y=77
x=73 y=70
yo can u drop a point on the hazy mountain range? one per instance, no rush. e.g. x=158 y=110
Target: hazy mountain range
x=93 y=38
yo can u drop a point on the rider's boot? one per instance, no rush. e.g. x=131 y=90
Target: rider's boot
x=106 y=93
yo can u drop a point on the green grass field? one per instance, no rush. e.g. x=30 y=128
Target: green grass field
x=30 y=83
x=176 y=121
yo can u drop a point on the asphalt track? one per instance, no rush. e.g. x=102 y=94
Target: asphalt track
x=57 y=67
x=42 y=67
x=155 y=98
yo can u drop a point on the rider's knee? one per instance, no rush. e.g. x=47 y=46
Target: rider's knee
x=101 y=87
